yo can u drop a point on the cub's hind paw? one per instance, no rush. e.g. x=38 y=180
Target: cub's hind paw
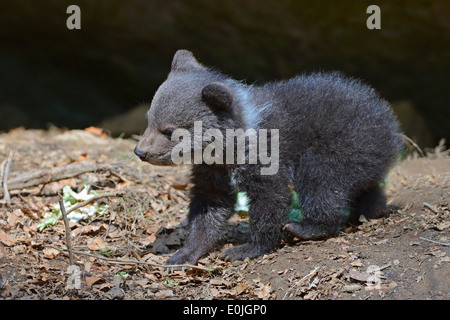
x=306 y=231
x=244 y=251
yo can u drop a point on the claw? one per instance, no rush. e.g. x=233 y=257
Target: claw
x=169 y=270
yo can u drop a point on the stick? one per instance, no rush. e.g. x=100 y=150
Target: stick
x=384 y=267
x=66 y=224
x=35 y=178
x=114 y=173
x=166 y=266
x=6 y=195
x=93 y=198
x=431 y=207
x=297 y=282
x=437 y=242
x=2 y=170
x=414 y=144
x=96 y=197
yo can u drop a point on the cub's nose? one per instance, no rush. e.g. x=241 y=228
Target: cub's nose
x=140 y=154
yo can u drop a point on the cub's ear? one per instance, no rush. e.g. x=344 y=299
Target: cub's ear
x=184 y=60
x=217 y=96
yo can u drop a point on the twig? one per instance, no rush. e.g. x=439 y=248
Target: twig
x=35 y=178
x=304 y=278
x=114 y=173
x=93 y=198
x=384 y=267
x=136 y=137
x=66 y=224
x=6 y=195
x=414 y=144
x=2 y=170
x=447 y=244
x=431 y=207
x=96 y=197
x=166 y=266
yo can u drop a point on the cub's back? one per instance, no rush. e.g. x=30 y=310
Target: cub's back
x=330 y=112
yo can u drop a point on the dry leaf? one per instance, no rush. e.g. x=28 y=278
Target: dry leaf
x=11 y=219
x=351 y=288
x=265 y=292
x=358 y=275
x=50 y=253
x=356 y=263
x=114 y=232
x=91 y=280
x=180 y=186
x=29 y=230
x=443 y=225
x=106 y=285
x=87 y=266
x=96 y=131
x=143 y=283
x=163 y=294
x=220 y=282
x=6 y=239
x=93 y=229
x=124 y=184
x=83 y=157
x=391 y=285
x=312 y=295
x=215 y=293
x=239 y=289
x=96 y=244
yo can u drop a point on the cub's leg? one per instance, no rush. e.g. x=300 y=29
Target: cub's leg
x=371 y=203
x=323 y=216
x=212 y=201
x=270 y=199
x=323 y=198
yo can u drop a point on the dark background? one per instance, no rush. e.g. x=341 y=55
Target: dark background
x=77 y=78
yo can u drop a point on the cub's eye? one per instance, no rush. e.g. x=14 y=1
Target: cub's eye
x=167 y=132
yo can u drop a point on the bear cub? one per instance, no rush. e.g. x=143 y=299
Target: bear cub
x=337 y=139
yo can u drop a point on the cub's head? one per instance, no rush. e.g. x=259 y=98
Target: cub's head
x=190 y=93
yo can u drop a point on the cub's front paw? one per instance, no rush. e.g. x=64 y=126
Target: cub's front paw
x=245 y=251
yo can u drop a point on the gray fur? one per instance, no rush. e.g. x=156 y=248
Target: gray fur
x=338 y=139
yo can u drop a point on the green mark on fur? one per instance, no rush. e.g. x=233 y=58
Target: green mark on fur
x=242 y=206
x=345 y=213
x=382 y=183
x=295 y=213
x=403 y=153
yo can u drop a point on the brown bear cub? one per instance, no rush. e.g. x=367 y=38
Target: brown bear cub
x=332 y=139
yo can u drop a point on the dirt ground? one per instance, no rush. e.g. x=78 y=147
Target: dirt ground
x=403 y=256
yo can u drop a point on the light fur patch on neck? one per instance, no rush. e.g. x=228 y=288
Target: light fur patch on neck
x=251 y=112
